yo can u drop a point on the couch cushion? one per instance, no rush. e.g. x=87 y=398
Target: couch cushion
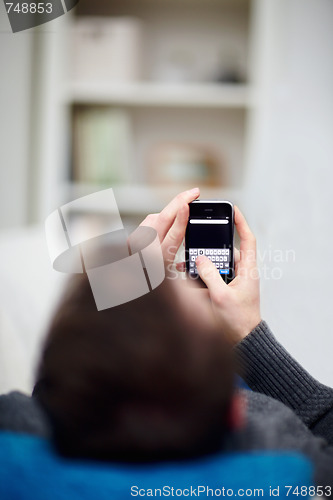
x=30 y=469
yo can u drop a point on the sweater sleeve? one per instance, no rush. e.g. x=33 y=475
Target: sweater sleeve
x=22 y=413
x=268 y=368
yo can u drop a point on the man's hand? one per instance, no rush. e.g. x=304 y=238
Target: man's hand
x=171 y=223
x=237 y=305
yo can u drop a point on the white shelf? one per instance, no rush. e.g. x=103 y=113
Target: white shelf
x=214 y=115
x=155 y=94
x=140 y=200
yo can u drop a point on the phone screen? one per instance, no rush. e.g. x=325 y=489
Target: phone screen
x=210 y=232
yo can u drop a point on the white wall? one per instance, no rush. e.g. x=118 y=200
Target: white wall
x=291 y=176
x=15 y=90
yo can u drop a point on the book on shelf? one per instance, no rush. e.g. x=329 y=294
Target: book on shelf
x=101 y=146
x=185 y=163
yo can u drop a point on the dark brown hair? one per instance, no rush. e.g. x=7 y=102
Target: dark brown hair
x=135 y=382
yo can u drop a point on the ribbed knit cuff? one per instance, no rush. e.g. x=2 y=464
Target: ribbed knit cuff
x=268 y=368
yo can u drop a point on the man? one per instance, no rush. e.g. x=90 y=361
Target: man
x=152 y=379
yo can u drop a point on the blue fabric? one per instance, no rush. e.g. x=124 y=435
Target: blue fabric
x=242 y=384
x=30 y=469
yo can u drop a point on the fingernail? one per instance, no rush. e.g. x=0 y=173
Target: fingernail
x=194 y=190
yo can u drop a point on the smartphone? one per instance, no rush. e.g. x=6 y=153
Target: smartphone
x=210 y=232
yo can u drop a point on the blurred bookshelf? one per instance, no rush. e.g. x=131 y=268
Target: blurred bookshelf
x=147 y=97
x=152 y=94
x=137 y=200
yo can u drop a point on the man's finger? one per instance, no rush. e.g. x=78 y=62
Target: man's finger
x=169 y=213
x=151 y=220
x=247 y=240
x=176 y=233
x=181 y=267
x=210 y=275
x=236 y=255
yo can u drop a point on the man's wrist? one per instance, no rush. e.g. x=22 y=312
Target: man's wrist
x=248 y=330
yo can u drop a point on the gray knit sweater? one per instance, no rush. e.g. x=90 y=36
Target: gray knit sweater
x=287 y=409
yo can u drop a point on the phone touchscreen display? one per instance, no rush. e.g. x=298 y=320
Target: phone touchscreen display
x=210 y=233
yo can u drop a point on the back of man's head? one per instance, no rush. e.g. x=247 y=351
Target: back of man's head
x=136 y=382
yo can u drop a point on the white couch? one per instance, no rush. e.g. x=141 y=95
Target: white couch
x=29 y=290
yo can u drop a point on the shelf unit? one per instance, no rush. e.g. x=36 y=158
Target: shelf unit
x=218 y=96
x=194 y=111
x=134 y=199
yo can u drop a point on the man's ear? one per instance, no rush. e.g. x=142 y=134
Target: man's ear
x=236 y=413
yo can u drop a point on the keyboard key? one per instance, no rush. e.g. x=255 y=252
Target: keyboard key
x=221 y=257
